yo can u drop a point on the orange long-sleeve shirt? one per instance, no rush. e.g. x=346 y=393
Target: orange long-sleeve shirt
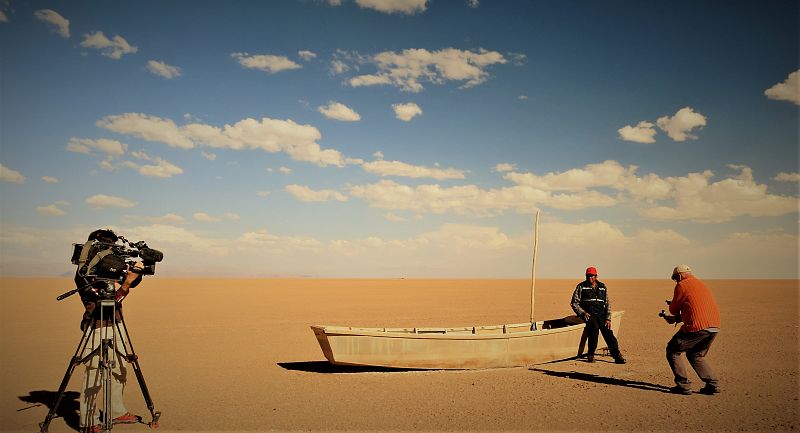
x=696 y=305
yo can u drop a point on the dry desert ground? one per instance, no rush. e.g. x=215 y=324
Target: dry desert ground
x=238 y=355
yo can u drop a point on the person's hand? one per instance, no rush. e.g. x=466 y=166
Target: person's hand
x=670 y=319
x=586 y=316
x=608 y=324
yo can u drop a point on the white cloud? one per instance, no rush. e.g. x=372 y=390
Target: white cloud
x=471 y=199
x=787 y=177
x=402 y=169
x=788 y=90
x=102 y=201
x=679 y=125
x=408 y=7
x=169 y=218
x=522 y=97
x=339 y=111
x=406 y=112
x=394 y=218
x=697 y=199
x=307 y=55
x=9 y=175
x=276 y=243
x=606 y=174
x=209 y=155
x=407 y=70
x=643 y=132
x=59 y=23
x=263 y=194
x=163 y=70
x=265 y=62
x=473 y=3
x=334 y=2
x=285 y=170
x=113 y=48
x=271 y=135
x=51 y=210
x=49 y=179
x=304 y=193
x=504 y=167
x=112 y=148
x=162 y=169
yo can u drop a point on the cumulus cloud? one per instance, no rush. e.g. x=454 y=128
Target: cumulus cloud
x=9 y=175
x=59 y=24
x=206 y=218
x=49 y=179
x=402 y=169
x=163 y=70
x=209 y=155
x=113 y=48
x=265 y=62
x=504 y=167
x=788 y=90
x=161 y=169
x=51 y=209
x=169 y=218
x=111 y=148
x=695 y=197
x=406 y=112
x=410 y=68
x=307 y=55
x=102 y=201
x=271 y=135
x=473 y=3
x=276 y=243
x=408 y=7
x=339 y=111
x=787 y=177
x=285 y=170
x=643 y=132
x=472 y=200
x=304 y=193
x=679 y=126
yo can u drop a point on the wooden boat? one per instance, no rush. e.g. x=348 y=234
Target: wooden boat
x=509 y=345
x=469 y=347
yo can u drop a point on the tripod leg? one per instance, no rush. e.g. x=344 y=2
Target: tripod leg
x=76 y=359
x=134 y=360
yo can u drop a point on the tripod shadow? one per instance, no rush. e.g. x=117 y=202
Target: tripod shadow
x=326 y=367
x=587 y=377
x=68 y=409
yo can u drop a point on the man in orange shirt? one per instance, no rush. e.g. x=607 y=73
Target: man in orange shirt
x=694 y=305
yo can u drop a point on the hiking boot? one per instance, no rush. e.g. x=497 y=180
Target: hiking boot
x=620 y=360
x=589 y=358
x=677 y=389
x=127 y=418
x=709 y=390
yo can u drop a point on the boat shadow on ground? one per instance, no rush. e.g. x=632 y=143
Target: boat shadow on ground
x=588 y=377
x=326 y=367
x=67 y=410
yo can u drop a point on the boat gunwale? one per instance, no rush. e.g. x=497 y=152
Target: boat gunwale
x=434 y=333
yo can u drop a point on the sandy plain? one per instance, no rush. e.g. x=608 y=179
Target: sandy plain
x=238 y=355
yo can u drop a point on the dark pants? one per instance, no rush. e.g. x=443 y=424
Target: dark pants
x=595 y=324
x=696 y=345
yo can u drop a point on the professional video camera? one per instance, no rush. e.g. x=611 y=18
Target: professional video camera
x=101 y=256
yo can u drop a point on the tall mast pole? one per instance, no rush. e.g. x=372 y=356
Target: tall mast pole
x=533 y=266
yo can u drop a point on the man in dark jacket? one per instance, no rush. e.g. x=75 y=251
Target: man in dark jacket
x=591 y=303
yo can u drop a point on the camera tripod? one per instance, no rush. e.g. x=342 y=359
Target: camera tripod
x=113 y=339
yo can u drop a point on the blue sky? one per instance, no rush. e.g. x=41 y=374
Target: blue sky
x=403 y=138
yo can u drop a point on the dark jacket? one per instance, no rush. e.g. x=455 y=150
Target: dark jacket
x=592 y=300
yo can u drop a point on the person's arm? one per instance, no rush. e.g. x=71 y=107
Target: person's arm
x=608 y=309
x=134 y=273
x=576 y=303
x=678 y=298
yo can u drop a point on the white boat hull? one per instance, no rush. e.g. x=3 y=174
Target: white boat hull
x=454 y=348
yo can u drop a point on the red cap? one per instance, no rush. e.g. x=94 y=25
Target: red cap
x=591 y=270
